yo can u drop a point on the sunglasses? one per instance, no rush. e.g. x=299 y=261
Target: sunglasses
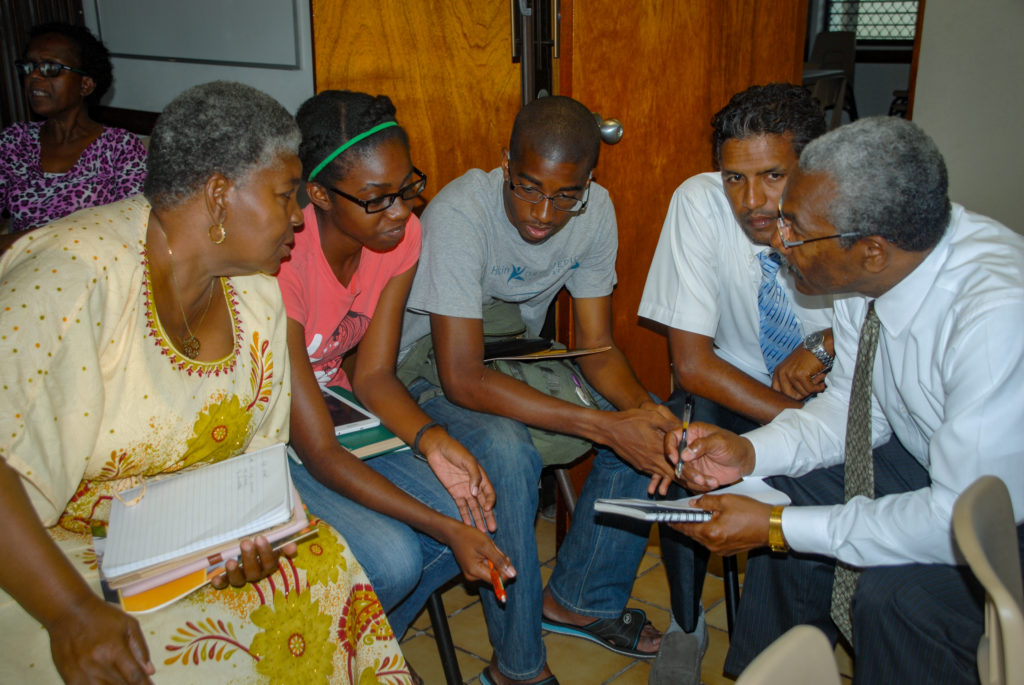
x=46 y=69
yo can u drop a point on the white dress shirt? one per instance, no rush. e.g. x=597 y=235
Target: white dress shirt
x=705 y=276
x=948 y=379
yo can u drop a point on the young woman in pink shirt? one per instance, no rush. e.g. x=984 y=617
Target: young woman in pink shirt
x=412 y=519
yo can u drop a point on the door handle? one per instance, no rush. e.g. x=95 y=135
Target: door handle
x=611 y=129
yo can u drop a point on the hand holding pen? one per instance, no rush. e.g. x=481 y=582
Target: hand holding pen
x=687 y=415
x=499 y=587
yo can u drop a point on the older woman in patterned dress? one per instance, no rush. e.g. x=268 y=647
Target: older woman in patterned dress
x=141 y=338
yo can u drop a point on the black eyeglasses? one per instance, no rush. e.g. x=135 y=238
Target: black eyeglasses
x=785 y=227
x=46 y=69
x=384 y=202
x=560 y=201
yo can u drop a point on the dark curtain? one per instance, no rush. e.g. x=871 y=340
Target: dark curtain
x=16 y=18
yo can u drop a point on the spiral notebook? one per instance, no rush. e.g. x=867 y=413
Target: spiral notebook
x=680 y=511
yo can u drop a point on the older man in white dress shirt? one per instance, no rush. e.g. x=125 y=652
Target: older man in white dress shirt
x=867 y=549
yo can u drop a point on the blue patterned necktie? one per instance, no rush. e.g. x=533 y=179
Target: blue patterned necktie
x=780 y=330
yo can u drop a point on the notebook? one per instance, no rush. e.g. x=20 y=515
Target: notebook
x=680 y=511
x=198 y=512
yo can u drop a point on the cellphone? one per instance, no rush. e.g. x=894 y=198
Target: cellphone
x=347 y=416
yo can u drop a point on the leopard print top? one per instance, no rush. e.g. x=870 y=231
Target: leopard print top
x=112 y=168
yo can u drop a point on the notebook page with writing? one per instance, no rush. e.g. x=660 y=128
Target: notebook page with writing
x=199 y=509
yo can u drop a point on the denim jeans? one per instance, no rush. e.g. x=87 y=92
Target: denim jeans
x=504 y=449
x=598 y=559
x=404 y=566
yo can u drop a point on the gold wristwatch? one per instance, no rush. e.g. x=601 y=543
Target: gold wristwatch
x=776 y=540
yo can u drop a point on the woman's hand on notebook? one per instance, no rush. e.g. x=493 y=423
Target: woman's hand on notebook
x=463 y=478
x=257 y=561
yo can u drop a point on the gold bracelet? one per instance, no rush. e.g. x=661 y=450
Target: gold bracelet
x=776 y=540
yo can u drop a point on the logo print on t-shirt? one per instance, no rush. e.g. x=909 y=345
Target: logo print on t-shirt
x=327 y=360
x=517 y=274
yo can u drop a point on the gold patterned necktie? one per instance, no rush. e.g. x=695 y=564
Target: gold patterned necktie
x=859 y=478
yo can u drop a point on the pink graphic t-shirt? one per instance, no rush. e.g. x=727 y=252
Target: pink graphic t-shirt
x=335 y=318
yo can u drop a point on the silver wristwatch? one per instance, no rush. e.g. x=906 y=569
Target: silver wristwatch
x=815 y=344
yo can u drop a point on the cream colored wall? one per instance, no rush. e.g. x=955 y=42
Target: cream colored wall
x=970 y=99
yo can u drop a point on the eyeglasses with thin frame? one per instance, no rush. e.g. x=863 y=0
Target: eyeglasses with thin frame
x=786 y=226
x=46 y=69
x=560 y=201
x=382 y=203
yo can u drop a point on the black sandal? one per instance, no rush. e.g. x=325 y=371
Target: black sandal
x=621 y=635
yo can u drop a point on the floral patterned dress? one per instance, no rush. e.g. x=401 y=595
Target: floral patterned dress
x=94 y=395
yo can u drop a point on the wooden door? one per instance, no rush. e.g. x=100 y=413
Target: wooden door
x=446 y=65
x=663 y=68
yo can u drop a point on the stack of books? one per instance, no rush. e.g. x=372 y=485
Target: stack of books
x=176 y=538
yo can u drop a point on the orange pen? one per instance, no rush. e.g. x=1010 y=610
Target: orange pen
x=499 y=587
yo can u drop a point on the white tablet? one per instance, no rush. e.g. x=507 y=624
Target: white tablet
x=347 y=416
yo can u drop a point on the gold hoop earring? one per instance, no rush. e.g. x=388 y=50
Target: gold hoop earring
x=219 y=231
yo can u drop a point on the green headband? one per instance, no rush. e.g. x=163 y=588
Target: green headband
x=349 y=143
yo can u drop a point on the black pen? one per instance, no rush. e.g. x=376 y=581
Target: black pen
x=687 y=413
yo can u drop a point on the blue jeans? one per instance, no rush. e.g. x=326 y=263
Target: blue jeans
x=598 y=559
x=504 y=449
x=403 y=565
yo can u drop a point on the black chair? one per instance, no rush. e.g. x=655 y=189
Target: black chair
x=443 y=638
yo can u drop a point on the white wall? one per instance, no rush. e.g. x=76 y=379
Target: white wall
x=873 y=84
x=969 y=98
x=166 y=47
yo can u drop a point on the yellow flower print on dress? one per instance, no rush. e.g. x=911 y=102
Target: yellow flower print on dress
x=295 y=645
x=320 y=557
x=223 y=430
x=220 y=432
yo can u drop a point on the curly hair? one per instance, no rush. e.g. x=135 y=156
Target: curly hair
x=559 y=129
x=93 y=56
x=218 y=127
x=330 y=119
x=777 y=109
x=890 y=181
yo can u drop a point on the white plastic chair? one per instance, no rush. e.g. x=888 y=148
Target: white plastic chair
x=802 y=656
x=986 y=532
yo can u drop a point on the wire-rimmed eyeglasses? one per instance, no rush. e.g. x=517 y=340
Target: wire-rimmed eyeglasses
x=560 y=201
x=46 y=69
x=785 y=227
x=383 y=202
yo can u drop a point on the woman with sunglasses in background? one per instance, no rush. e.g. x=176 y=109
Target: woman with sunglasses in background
x=344 y=286
x=68 y=162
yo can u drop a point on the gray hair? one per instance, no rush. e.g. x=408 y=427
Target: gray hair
x=219 y=127
x=890 y=181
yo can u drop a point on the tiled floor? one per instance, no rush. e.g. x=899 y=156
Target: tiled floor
x=574 y=661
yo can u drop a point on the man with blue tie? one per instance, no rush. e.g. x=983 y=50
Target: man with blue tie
x=744 y=342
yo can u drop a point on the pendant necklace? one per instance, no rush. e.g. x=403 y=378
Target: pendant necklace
x=189 y=343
